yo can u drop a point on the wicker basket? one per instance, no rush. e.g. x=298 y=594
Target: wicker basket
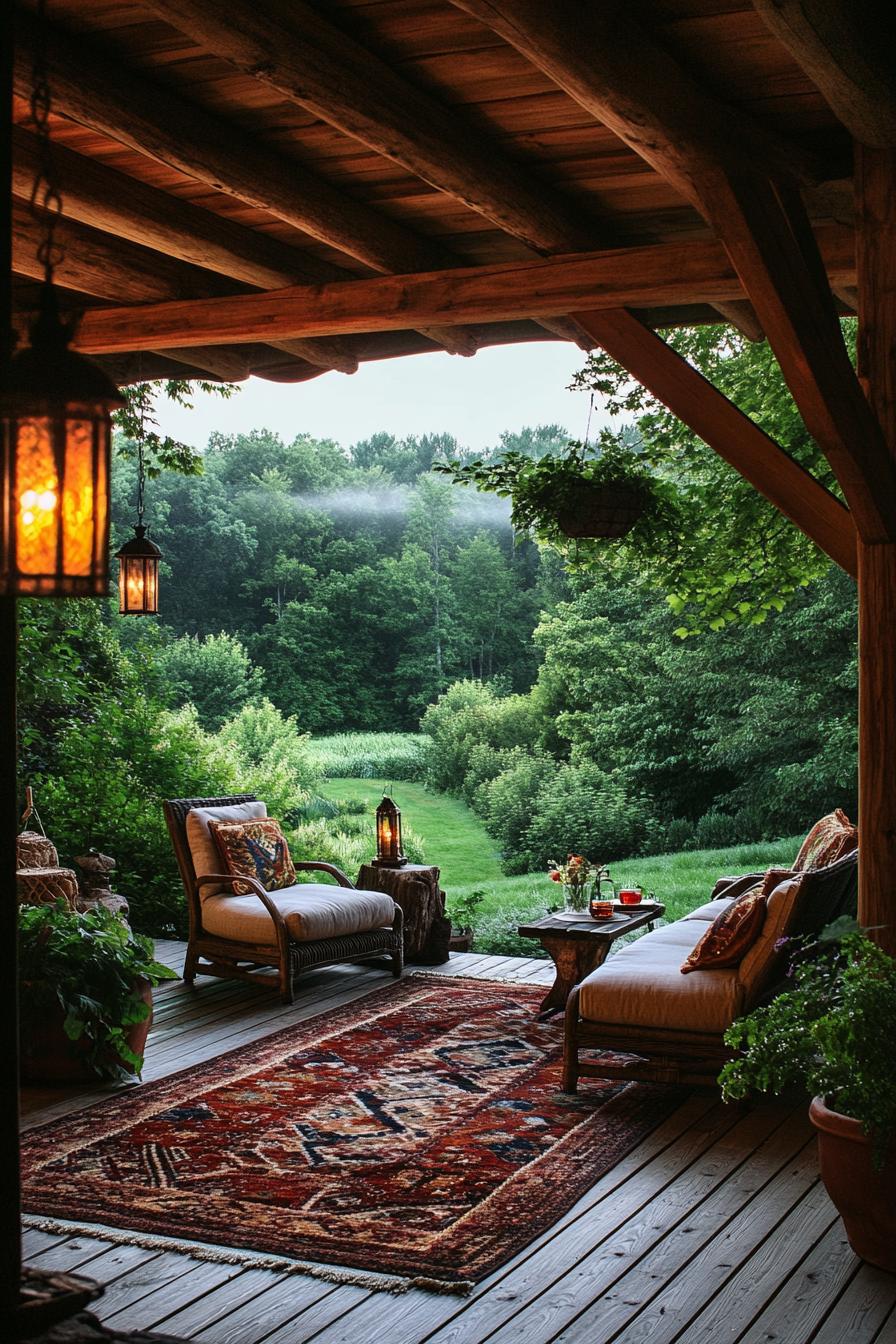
x=602 y=511
x=34 y=850
x=45 y=886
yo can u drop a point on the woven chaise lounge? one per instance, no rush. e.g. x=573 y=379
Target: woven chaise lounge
x=294 y=929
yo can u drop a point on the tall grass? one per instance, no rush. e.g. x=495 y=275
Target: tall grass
x=380 y=756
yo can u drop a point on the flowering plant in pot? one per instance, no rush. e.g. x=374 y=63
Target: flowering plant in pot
x=85 y=993
x=831 y=1035
x=585 y=492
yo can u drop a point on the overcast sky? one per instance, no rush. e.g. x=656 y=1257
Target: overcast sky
x=503 y=387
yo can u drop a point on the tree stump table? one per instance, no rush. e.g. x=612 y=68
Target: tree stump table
x=415 y=887
x=578 y=946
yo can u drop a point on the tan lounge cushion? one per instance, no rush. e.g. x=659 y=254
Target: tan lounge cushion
x=643 y=986
x=710 y=910
x=203 y=850
x=312 y=911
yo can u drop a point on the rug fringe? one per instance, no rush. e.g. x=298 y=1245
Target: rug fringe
x=225 y=1255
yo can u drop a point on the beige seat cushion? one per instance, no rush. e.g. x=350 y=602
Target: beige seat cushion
x=203 y=850
x=312 y=911
x=643 y=986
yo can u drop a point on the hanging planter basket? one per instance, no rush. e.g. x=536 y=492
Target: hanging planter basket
x=609 y=510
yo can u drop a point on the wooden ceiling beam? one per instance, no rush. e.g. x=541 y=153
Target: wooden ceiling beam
x=842 y=48
x=666 y=273
x=612 y=68
x=733 y=435
x=725 y=164
x=290 y=47
x=108 y=268
x=130 y=108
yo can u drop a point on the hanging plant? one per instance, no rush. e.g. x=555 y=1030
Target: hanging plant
x=585 y=493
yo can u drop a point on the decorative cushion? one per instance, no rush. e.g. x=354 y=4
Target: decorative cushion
x=764 y=958
x=203 y=850
x=256 y=848
x=311 y=910
x=830 y=839
x=730 y=936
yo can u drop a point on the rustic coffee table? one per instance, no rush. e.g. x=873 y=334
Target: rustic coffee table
x=577 y=946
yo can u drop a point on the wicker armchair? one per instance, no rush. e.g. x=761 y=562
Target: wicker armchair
x=276 y=928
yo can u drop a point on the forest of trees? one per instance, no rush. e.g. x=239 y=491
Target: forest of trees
x=699 y=695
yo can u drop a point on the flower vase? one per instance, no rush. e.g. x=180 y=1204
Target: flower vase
x=575 y=897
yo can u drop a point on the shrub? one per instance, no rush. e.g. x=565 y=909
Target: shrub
x=581 y=809
x=384 y=756
x=214 y=674
x=497 y=935
x=347 y=841
x=471 y=714
x=506 y=806
x=269 y=756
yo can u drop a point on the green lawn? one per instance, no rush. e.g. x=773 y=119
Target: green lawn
x=454 y=837
x=456 y=841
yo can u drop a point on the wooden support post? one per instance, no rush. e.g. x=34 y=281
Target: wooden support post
x=876 y=270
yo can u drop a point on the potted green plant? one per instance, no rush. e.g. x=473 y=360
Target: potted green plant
x=584 y=492
x=85 y=994
x=461 y=913
x=831 y=1034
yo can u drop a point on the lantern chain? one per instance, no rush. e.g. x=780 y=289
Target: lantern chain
x=45 y=201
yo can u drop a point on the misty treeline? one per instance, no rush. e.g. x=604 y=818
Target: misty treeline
x=357 y=584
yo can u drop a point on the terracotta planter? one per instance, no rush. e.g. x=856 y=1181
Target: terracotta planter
x=461 y=940
x=48 y=1056
x=864 y=1197
x=602 y=511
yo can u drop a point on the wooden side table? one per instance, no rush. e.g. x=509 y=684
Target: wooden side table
x=415 y=887
x=577 y=947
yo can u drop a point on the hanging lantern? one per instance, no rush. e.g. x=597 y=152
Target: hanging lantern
x=55 y=427
x=56 y=436
x=388 y=835
x=138 y=559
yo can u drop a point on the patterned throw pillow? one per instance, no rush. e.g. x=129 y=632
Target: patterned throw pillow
x=730 y=936
x=830 y=839
x=255 y=849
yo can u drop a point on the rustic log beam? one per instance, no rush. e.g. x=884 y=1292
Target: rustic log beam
x=153 y=120
x=768 y=237
x=220 y=362
x=613 y=69
x=721 y=162
x=743 y=317
x=115 y=203
x=733 y=435
x=666 y=273
x=876 y=256
x=842 y=49
x=290 y=47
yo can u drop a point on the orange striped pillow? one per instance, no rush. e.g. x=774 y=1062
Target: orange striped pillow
x=730 y=936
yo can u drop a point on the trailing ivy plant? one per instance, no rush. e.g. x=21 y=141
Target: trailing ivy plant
x=831 y=1034
x=91 y=967
x=540 y=489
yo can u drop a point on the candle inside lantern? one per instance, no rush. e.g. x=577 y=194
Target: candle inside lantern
x=388 y=835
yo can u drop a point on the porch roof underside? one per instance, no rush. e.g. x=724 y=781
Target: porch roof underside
x=309 y=151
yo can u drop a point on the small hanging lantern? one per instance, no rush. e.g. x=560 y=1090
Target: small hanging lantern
x=138 y=559
x=388 y=835
x=56 y=430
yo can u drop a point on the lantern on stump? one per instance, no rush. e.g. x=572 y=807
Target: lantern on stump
x=388 y=835
x=56 y=437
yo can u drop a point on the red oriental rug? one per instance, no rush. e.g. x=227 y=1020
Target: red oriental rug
x=416 y=1135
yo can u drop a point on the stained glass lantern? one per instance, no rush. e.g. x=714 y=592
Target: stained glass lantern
x=388 y=835
x=138 y=575
x=56 y=435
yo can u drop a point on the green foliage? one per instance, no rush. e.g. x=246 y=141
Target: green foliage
x=136 y=420
x=469 y=714
x=215 y=674
x=738 y=559
x=270 y=757
x=89 y=966
x=831 y=1034
x=542 y=488
x=462 y=909
x=383 y=756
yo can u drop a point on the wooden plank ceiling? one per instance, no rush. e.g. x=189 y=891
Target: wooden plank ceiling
x=210 y=151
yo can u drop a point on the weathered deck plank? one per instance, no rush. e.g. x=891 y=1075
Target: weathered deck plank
x=714 y=1227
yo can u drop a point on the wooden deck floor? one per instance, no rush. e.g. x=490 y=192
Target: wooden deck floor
x=715 y=1229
